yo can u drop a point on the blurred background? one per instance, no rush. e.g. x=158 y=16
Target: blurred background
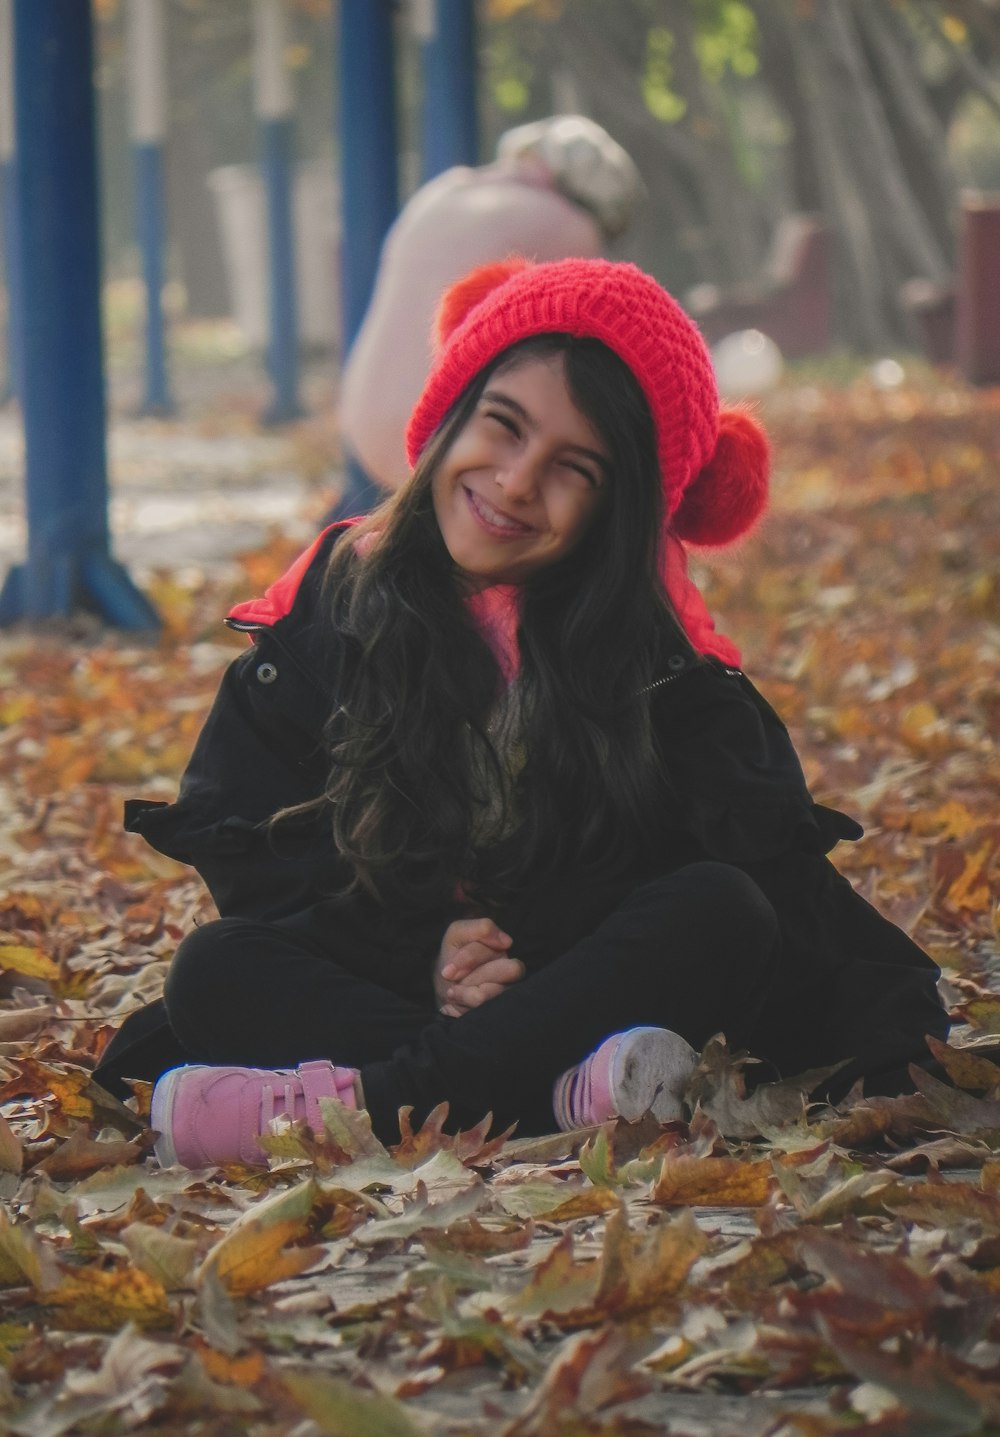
x=873 y=115
x=822 y=192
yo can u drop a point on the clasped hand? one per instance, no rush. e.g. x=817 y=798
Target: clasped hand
x=472 y=965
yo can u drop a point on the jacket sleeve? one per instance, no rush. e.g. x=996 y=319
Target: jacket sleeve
x=736 y=780
x=258 y=752
x=849 y=986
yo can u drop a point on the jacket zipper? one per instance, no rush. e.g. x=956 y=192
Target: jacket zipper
x=670 y=678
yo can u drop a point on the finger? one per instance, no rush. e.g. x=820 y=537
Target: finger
x=470 y=930
x=499 y=971
x=474 y=995
x=470 y=958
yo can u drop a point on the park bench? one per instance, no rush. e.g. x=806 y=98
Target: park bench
x=790 y=302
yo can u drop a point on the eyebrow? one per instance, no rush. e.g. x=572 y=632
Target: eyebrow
x=497 y=396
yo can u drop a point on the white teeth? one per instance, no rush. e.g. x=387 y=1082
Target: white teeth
x=493 y=516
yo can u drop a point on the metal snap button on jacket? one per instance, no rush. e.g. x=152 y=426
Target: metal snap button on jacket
x=266 y=673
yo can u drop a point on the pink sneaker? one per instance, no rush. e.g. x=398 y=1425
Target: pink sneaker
x=631 y=1073
x=208 y=1115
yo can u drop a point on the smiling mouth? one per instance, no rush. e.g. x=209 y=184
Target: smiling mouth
x=493 y=520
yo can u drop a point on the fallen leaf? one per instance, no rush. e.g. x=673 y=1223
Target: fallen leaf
x=685 y=1181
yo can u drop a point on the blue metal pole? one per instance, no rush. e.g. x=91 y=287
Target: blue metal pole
x=276 y=142
x=366 y=125
x=69 y=566
x=147 y=76
x=8 y=185
x=274 y=103
x=12 y=278
x=450 y=128
x=150 y=228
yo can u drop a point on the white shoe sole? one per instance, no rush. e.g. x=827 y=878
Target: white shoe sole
x=161 y=1111
x=649 y=1073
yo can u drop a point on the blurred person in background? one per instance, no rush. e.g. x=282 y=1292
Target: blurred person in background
x=559 y=188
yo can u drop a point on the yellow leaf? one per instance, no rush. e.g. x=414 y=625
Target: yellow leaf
x=254 y=1251
x=250 y=1258
x=92 y=1300
x=31 y=962
x=921 y=726
x=588 y=1202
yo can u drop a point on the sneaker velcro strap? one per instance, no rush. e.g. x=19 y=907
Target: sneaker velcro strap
x=321 y=1079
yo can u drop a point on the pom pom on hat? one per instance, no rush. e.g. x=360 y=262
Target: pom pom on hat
x=729 y=495
x=460 y=298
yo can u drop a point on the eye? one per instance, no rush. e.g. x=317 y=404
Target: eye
x=582 y=471
x=503 y=419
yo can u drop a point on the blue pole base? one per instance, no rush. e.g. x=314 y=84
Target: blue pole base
x=282 y=410
x=68 y=584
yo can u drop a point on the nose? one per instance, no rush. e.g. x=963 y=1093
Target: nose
x=518 y=478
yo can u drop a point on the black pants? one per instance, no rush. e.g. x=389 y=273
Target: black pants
x=694 y=951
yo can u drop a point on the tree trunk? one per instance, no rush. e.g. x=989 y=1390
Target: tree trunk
x=779 y=74
x=859 y=296
x=919 y=134
x=899 y=219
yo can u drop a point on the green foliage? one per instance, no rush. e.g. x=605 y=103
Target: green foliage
x=726 y=39
x=509 y=68
x=661 y=99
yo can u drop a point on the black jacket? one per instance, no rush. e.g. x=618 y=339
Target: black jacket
x=849 y=984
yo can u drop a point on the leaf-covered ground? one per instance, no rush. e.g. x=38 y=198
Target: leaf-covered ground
x=809 y=1272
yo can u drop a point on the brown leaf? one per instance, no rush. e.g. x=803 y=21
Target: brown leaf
x=641 y=1270
x=712 y=1182
x=964 y=1067
x=946 y=1204
x=11 y=1151
x=80 y=1155
x=557 y=1286
x=592 y=1372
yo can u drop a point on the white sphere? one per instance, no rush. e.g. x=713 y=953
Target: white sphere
x=747 y=362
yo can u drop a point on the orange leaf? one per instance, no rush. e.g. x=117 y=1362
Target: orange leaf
x=243 y=1370
x=712 y=1182
x=964 y=1067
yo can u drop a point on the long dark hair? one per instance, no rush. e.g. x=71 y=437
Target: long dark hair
x=413 y=767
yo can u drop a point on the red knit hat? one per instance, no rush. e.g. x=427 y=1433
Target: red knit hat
x=714 y=463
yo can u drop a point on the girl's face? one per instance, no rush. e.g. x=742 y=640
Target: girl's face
x=523 y=479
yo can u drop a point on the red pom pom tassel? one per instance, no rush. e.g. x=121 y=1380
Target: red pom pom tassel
x=461 y=298
x=727 y=498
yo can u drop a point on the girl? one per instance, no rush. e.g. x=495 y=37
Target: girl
x=489 y=812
